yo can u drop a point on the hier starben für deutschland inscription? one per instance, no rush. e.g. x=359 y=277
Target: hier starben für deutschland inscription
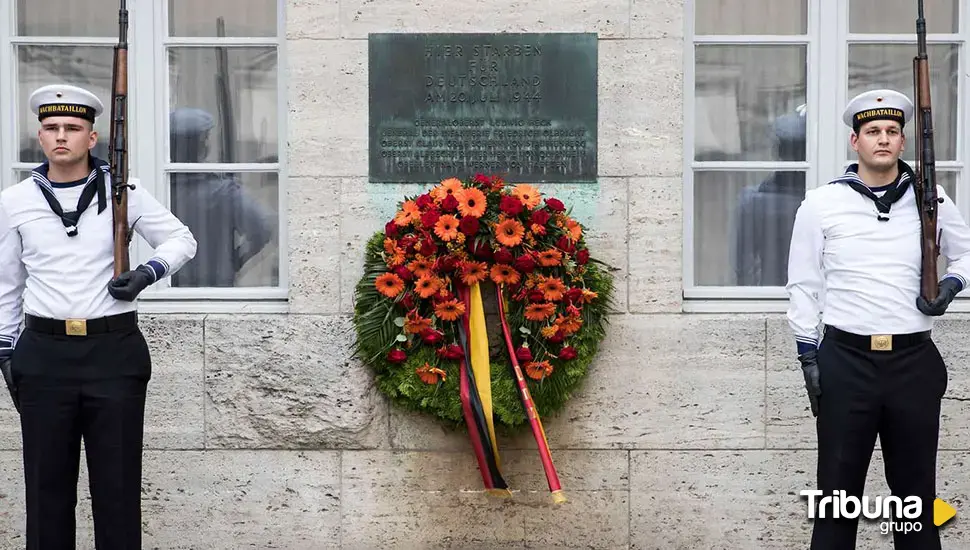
x=520 y=105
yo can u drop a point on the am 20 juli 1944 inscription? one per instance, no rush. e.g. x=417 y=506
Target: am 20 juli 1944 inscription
x=520 y=105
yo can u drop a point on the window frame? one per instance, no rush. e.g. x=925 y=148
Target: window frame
x=825 y=159
x=148 y=43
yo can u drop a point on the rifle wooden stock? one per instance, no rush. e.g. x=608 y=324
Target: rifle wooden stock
x=118 y=147
x=925 y=184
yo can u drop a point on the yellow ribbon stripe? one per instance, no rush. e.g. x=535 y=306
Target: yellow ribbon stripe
x=481 y=369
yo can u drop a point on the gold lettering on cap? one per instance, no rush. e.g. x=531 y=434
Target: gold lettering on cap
x=871 y=113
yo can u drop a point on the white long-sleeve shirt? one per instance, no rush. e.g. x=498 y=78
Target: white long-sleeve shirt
x=45 y=272
x=851 y=271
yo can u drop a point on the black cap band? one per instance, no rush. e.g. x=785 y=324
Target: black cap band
x=881 y=113
x=65 y=109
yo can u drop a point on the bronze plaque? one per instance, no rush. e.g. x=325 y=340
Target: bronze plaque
x=522 y=106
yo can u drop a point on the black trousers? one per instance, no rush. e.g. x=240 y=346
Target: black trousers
x=91 y=388
x=895 y=394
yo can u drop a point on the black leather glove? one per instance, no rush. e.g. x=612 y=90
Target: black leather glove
x=809 y=361
x=129 y=284
x=949 y=288
x=8 y=378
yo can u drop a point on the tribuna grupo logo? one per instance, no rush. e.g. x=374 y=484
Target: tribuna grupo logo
x=895 y=514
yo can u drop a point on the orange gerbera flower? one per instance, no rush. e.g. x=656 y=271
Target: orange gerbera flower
x=473 y=272
x=449 y=186
x=427 y=285
x=569 y=324
x=539 y=312
x=504 y=274
x=509 y=232
x=529 y=195
x=537 y=370
x=414 y=323
x=450 y=310
x=471 y=202
x=447 y=227
x=430 y=375
x=574 y=229
x=389 y=284
x=589 y=296
x=421 y=266
x=409 y=213
x=550 y=258
x=552 y=288
x=550 y=331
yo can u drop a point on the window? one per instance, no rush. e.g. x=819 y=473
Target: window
x=767 y=81
x=206 y=120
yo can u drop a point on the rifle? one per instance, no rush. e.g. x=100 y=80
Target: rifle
x=118 y=146
x=925 y=183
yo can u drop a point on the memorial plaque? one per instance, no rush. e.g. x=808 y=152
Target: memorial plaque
x=452 y=105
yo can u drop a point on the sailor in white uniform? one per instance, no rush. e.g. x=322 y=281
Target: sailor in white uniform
x=862 y=331
x=80 y=367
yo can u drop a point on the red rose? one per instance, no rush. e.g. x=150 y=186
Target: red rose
x=566 y=245
x=480 y=179
x=453 y=351
x=510 y=205
x=555 y=205
x=403 y=273
x=390 y=229
x=536 y=296
x=503 y=256
x=446 y=264
x=397 y=356
x=567 y=353
x=431 y=336
x=449 y=203
x=429 y=218
x=480 y=250
x=582 y=256
x=525 y=264
x=574 y=294
x=428 y=247
x=408 y=301
x=558 y=337
x=523 y=354
x=424 y=201
x=407 y=242
x=469 y=226
x=540 y=217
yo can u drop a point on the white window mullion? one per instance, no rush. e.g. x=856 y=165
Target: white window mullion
x=8 y=118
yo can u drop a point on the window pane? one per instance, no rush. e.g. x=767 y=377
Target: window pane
x=197 y=80
x=899 y=16
x=742 y=226
x=74 y=18
x=891 y=66
x=234 y=220
x=250 y=18
x=751 y=16
x=740 y=94
x=86 y=66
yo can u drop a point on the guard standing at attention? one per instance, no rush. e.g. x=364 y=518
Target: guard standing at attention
x=80 y=367
x=854 y=268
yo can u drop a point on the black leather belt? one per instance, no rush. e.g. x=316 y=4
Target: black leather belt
x=82 y=327
x=877 y=342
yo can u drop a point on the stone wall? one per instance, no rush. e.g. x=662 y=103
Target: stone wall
x=692 y=431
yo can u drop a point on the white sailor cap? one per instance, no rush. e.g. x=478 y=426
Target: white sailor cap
x=877 y=105
x=190 y=122
x=65 y=100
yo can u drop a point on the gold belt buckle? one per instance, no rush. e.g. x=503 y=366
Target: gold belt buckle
x=76 y=327
x=881 y=342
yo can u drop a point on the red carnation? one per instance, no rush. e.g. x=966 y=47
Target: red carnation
x=558 y=337
x=480 y=178
x=567 y=353
x=408 y=301
x=566 y=245
x=540 y=217
x=536 y=296
x=390 y=229
x=453 y=351
x=424 y=201
x=468 y=225
x=582 y=256
x=480 y=250
x=449 y=203
x=407 y=242
x=574 y=294
x=525 y=264
x=429 y=218
x=446 y=264
x=431 y=336
x=403 y=273
x=428 y=247
x=510 y=205
x=555 y=205
x=503 y=256
x=397 y=356
x=523 y=354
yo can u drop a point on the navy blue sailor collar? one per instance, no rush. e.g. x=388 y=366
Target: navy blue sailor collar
x=893 y=191
x=94 y=185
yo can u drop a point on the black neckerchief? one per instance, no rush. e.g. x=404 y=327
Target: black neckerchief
x=895 y=190
x=93 y=186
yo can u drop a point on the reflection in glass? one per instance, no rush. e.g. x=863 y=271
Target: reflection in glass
x=743 y=226
x=899 y=16
x=740 y=91
x=73 y=18
x=253 y=18
x=750 y=16
x=891 y=66
x=240 y=95
x=234 y=220
x=86 y=66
